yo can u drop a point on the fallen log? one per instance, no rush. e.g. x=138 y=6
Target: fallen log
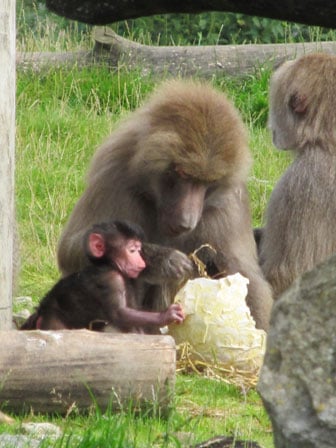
x=202 y=61
x=54 y=372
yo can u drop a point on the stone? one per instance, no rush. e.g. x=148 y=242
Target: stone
x=20 y=317
x=42 y=430
x=17 y=441
x=24 y=301
x=298 y=379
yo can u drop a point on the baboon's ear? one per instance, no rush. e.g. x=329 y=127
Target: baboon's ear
x=96 y=245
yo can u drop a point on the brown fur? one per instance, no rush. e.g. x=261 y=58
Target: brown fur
x=301 y=214
x=190 y=129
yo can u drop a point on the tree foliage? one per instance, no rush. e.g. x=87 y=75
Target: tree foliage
x=216 y=28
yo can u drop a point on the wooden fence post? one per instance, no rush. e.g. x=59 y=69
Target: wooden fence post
x=7 y=157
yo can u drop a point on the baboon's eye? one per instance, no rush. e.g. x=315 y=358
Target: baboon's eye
x=180 y=171
x=170 y=177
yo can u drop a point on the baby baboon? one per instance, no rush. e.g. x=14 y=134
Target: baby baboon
x=102 y=294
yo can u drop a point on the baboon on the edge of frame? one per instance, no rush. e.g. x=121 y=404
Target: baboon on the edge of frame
x=300 y=219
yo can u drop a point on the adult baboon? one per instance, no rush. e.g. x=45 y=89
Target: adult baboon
x=178 y=167
x=301 y=214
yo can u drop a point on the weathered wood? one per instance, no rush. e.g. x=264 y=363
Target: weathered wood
x=203 y=61
x=40 y=60
x=7 y=152
x=313 y=12
x=50 y=371
x=197 y=60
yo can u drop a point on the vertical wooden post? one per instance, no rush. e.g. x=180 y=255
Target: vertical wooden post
x=7 y=157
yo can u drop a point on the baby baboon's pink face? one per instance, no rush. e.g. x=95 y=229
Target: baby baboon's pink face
x=129 y=259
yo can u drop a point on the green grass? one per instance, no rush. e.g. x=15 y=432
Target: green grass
x=201 y=409
x=39 y=30
x=61 y=118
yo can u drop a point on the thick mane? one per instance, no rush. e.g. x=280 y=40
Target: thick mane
x=195 y=128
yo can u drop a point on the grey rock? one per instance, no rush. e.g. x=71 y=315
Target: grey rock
x=20 y=317
x=298 y=379
x=23 y=301
x=42 y=430
x=19 y=441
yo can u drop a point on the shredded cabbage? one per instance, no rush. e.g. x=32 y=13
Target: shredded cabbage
x=218 y=325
